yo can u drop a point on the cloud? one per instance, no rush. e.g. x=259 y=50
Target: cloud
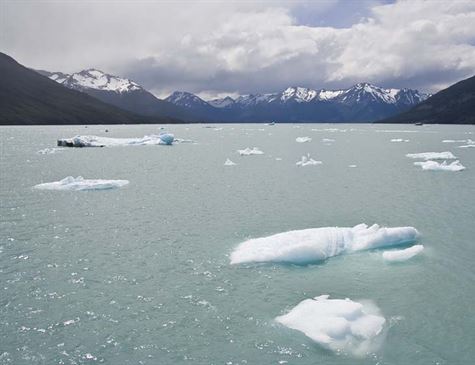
x=245 y=47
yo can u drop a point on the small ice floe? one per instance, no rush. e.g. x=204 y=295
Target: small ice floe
x=432 y=155
x=327 y=140
x=48 y=151
x=250 y=151
x=79 y=183
x=352 y=166
x=339 y=325
x=403 y=255
x=318 y=244
x=442 y=166
x=469 y=141
x=399 y=140
x=308 y=161
x=467 y=146
x=95 y=141
x=228 y=162
x=303 y=139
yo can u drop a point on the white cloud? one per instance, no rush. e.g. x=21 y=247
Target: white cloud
x=218 y=47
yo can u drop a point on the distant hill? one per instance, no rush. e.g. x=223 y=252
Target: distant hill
x=120 y=92
x=26 y=97
x=454 y=105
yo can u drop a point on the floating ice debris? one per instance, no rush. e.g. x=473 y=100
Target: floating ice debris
x=79 y=183
x=303 y=139
x=327 y=140
x=399 y=140
x=469 y=141
x=228 y=162
x=443 y=166
x=278 y=159
x=47 y=151
x=248 y=151
x=402 y=255
x=467 y=146
x=432 y=155
x=340 y=325
x=96 y=141
x=308 y=161
x=318 y=244
x=352 y=166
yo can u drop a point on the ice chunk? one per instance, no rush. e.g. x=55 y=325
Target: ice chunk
x=432 y=155
x=340 y=325
x=467 y=146
x=308 y=161
x=318 y=244
x=443 y=166
x=402 y=255
x=96 y=141
x=399 y=140
x=353 y=166
x=79 y=183
x=250 y=151
x=327 y=140
x=228 y=162
x=469 y=141
x=303 y=139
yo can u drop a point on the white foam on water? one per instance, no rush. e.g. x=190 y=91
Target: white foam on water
x=96 y=141
x=79 y=183
x=340 y=325
x=442 y=166
x=303 y=139
x=403 y=255
x=432 y=155
x=318 y=244
x=228 y=162
x=250 y=151
x=307 y=161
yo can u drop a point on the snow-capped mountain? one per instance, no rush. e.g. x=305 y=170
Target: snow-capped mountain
x=118 y=91
x=361 y=102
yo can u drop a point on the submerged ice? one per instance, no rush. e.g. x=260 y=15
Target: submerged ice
x=79 y=183
x=340 y=325
x=442 y=166
x=318 y=244
x=403 y=255
x=96 y=141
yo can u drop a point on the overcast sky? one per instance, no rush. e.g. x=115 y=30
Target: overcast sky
x=223 y=47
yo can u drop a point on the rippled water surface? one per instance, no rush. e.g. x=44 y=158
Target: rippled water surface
x=141 y=274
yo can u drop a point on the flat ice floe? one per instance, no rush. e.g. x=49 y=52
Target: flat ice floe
x=340 y=325
x=303 y=139
x=79 y=183
x=432 y=155
x=307 y=161
x=442 y=166
x=228 y=162
x=403 y=255
x=250 y=151
x=96 y=141
x=318 y=244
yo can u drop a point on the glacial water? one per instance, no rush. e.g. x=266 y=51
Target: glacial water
x=141 y=274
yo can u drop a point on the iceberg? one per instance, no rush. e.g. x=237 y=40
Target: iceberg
x=339 y=325
x=248 y=151
x=308 y=161
x=443 y=166
x=318 y=244
x=432 y=155
x=79 y=183
x=303 y=139
x=96 y=141
x=228 y=162
x=403 y=255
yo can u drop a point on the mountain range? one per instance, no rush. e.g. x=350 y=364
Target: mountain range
x=361 y=103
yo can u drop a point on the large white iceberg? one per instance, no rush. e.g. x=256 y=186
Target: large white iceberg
x=96 y=141
x=303 y=139
x=79 y=183
x=403 y=255
x=318 y=244
x=250 y=151
x=443 y=166
x=340 y=325
x=307 y=161
x=432 y=155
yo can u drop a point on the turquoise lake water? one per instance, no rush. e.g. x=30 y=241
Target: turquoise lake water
x=141 y=274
